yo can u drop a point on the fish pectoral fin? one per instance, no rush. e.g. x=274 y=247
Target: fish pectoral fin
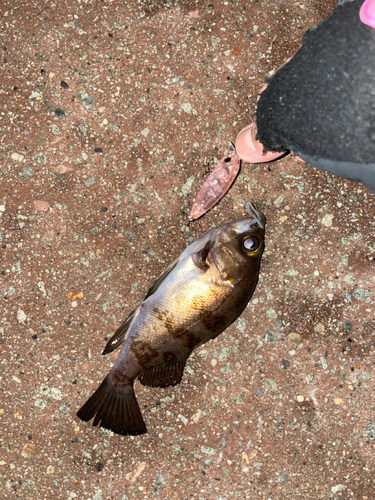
x=119 y=336
x=200 y=258
x=165 y=374
x=161 y=278
x=115 y=408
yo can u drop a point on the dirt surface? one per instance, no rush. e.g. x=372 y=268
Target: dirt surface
x=112 y=115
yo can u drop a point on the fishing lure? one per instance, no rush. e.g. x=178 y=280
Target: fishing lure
x=216 y=184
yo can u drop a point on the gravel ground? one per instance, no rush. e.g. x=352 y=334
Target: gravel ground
x=113 y=114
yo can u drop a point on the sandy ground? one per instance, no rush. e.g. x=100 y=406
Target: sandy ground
x=112 y=115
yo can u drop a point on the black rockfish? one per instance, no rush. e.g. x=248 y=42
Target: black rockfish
x=198 y=296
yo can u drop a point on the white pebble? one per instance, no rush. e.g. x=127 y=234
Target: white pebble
x=17 y=157
x=21 y=316
x=183 y=419
x=327 y=220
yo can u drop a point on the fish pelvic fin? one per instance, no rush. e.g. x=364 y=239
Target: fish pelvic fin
x=165 y=374
x=115 y=408
x=119 y=336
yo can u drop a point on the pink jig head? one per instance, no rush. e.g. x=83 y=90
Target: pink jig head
x=367 y=13
x=216 y=184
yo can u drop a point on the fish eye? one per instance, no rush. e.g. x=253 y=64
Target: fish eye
x=250 y=244
x=227 y=160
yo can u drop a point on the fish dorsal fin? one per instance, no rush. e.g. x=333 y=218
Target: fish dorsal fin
x=200 y=257
x=161 y=278
x=119 y=336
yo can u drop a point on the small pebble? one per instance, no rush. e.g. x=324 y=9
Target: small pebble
x=324 y=363
x=339 y=487
x=295 y=337
x=273 y=336
x=279 y=201
x=159 y=480
x=90 y=181
x=62 y=169
x=183 y=419
x=187 y=108
x=40 y=205
x=327 y=220
x=319 y=328
x=271 y=313
x=363 y=375
x=197 y=416
x=21 y=316
x=86 y=99
x=17 y=157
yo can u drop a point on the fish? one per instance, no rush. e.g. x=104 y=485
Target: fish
x=194 y=300
x=216 y=184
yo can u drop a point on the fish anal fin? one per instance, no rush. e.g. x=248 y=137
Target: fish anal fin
x=119 y=336
x=115 y=408
x=199 y=258
x=161 y=278
x=165 y=374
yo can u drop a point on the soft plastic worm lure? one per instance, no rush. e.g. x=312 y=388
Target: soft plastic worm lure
x=216 y=184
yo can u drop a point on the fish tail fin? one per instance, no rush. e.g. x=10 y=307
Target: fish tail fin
x=115 y=408
x=164 y=374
